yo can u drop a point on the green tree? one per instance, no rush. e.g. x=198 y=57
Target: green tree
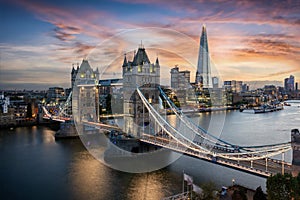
x=297 y=188
x=259 y=194
x=281 y=187
x=208 y=191
x=239 y=194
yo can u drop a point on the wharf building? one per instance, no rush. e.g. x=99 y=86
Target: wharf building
x=7 y=115
x=139 y=72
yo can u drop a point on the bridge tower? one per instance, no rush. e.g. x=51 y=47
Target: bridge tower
x=139 y=73
x=295 y=140
x=86 y=94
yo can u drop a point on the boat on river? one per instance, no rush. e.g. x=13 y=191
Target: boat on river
x=262 y=109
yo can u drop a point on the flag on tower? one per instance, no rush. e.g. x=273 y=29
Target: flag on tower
x=188 y=179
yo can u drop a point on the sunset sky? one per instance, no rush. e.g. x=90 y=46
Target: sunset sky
x=248 y=40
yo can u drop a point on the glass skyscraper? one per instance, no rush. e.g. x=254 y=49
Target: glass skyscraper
x=203 y=74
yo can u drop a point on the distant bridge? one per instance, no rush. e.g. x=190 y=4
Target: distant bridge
x=63 y=111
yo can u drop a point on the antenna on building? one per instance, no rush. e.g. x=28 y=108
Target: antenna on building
x=141 y=46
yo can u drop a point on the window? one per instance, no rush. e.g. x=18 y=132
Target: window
x=140 y=68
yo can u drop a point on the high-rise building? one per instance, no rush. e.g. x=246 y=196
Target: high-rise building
x=292 y=82
x=180 y=83
x=4 y=102
x=286 y=80
x=227 y=85
x=245 y=87
x=215 y=82
x=239 y=86
x=55 y=94
x=143 y=74
x=180 y=79
x=233 y=85
x=289 y=83
x=203 y=74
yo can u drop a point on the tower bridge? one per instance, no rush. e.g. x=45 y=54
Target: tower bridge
x=142 y=118
x=193 y=140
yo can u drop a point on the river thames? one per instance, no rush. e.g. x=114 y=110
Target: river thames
x=35 y=166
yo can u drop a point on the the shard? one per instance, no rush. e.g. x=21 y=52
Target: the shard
x=203 y=74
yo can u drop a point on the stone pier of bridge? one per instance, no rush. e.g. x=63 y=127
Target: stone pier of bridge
x=295 y=140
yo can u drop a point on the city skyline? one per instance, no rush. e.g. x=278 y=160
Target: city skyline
x=247 y=40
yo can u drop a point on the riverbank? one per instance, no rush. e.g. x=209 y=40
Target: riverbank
x=54 y=125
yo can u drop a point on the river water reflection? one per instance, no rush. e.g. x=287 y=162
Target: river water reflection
x=35 y=166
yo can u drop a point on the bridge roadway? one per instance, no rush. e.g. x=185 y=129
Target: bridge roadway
x=259 y=166
x=256 y=167
x=101 y=126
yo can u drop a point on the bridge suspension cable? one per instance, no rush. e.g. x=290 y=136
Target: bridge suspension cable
x=166 y=126
x=188 y=140
x=191 y=125
x=188 y=121
x=63 y=110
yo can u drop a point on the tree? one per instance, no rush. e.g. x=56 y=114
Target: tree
x=297 y=187
x=208 y=191
x=259 y=195
x=281 y=187
x=239 y=194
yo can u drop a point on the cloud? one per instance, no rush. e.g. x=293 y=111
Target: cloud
x=268 y=46
x=238 y=33
x=239 y=12
x=281 y=73
x=83 y=49
x=63 y=36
